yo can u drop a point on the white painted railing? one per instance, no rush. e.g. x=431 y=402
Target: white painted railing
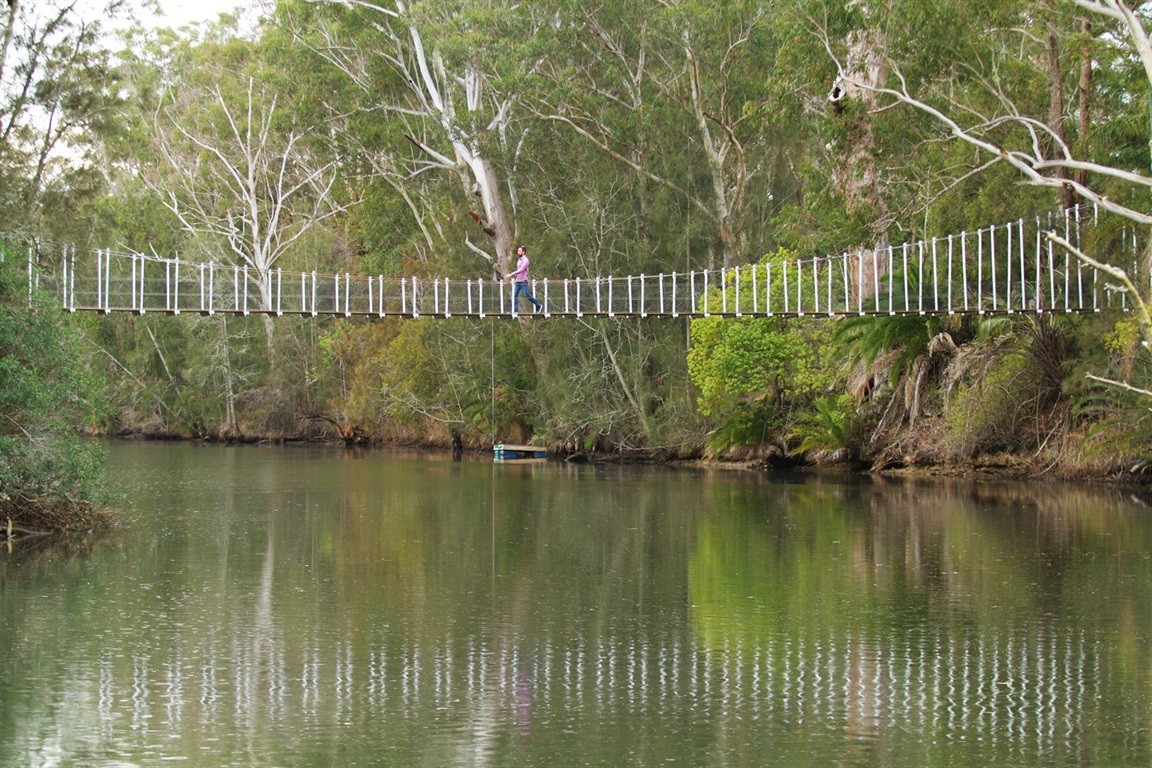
x=1002 y=269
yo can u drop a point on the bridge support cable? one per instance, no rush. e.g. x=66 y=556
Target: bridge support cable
x=1005 y=268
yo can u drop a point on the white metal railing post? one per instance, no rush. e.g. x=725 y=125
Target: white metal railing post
x=1079 y=265
x=737 y=273
x=314 y=309
x=1067 y=270
x=380 y=295
x=785 y=279
x=662 y=311
x=447 y=306
x=469 y=290
x=875 y=277
x=768 y=289
x=211 y=288
x=610 y=292
x=599 y=304
x=723 y=292
x=815 y=285
x=643 y=309
x=578 y=312
x=1051 y=277
x=951 y=305
x=920 y=277
x=995 y=296
x=303 y=293
x=980 y=271
x=131 y=292
x=1008 y=262
x=335 y=294
x=755 y=293
x=480 y=296
x=706 y=308
x=107 y=281
x=859 y=282
x=567 y=306
x=829 y=281
x=435 y=297
x=847 y=287
x=800 y=287
x=1039 y=283
x=72 y=286
x=99 y=279
x=692 y=289
x=245 y=291
x=904 y=257
x=1023 y=270
x=415 y=298
x=236 y=287
x=675 y=311
x=64 y=279
x=203 y=290
x=141 y=291
x=1067 y=257
x=347 y=294
x=279 y=292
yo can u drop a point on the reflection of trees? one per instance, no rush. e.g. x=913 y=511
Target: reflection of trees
x=953 y=560
x=766 y=620
x=899 y=551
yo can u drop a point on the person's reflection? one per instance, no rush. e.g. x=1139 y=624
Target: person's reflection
x=523 y=701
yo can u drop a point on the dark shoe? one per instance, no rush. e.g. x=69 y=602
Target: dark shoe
x=538 y=308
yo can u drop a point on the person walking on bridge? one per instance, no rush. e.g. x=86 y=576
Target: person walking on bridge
x=520 y=278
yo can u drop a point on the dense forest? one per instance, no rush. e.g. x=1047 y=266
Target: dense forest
x=430 y=138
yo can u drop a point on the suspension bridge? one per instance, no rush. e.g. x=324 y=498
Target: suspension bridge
x=1011 y=268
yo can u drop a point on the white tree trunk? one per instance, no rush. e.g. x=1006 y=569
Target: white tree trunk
x=432 y=101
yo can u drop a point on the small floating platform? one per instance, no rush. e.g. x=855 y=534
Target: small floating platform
x=509 y=452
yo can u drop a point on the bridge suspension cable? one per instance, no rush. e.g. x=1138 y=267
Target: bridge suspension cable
x=1001 y=269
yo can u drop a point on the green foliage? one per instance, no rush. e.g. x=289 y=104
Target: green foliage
x=1119 y=421
x=998 y=411
x=636 y=191
x=49 y=476
x=433 y=379
x=754 y=374
x=833 y=424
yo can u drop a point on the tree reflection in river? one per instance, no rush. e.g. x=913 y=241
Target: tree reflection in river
x=311 y=607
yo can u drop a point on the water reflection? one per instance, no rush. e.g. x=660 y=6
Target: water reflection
x=301 y=608
x=1030 y=694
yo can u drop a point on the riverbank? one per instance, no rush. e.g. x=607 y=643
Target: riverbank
x=1066 y=458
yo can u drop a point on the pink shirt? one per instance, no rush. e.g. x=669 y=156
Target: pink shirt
x=521 y=273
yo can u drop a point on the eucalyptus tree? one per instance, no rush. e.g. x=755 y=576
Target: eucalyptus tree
x=1009 y=107
x=1003 y=124
x=239 y=169
x=671 y=91
x=59 y=89
x=436 y=76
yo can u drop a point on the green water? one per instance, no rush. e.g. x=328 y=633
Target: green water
x=280 y=606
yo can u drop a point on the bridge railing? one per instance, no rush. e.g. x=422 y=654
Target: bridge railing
x=1001 y=269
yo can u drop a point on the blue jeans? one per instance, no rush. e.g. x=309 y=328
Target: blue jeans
x=522 y=288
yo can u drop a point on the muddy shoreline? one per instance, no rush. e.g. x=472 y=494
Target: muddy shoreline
x=1000 y=466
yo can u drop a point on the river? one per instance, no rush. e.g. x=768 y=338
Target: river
x=311 y=606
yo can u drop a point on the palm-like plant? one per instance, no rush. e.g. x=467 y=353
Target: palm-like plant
x=897 y=355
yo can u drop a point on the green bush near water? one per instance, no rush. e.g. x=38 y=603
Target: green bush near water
x=50 y=476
